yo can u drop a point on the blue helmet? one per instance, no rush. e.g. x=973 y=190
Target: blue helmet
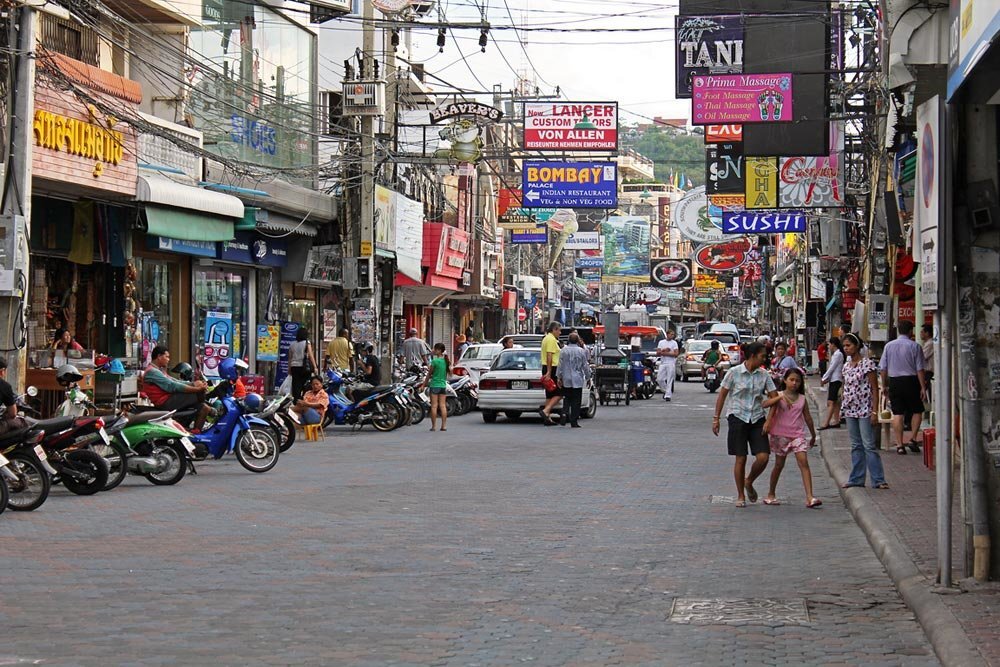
x=253 y=402
x=227 y=369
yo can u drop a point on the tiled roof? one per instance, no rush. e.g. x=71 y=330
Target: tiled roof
x=93 y=77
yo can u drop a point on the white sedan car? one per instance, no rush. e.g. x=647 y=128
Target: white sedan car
x=476 y=359
x=513 y=386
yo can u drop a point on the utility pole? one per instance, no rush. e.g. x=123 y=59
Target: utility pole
x=15 y=220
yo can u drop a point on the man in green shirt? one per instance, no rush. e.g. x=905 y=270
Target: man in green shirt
x=712 y=357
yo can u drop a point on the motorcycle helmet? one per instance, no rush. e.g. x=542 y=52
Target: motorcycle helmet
x=253 y=402
x=67 y=374
x=184 y=371
x=228 y=370
x=242 y=367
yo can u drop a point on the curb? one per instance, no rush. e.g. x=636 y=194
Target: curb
x=945 y=633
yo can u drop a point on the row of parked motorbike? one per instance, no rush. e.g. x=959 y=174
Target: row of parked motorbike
x=88 y=454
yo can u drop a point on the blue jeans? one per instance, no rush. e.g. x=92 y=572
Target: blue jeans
x=864 y=456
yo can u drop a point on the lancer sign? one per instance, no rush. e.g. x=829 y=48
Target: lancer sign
x=742 y=98
x=763 y=222
x=571 y=126
x=570 y=184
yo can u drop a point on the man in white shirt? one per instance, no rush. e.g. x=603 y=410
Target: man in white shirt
x=667 y=351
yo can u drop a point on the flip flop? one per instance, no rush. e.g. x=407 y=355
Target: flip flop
x=740 y=503
x=914 y=446
x=883 y=485
x=751 y=492
x=814 y=503
x=901 y=450
x=771 y=501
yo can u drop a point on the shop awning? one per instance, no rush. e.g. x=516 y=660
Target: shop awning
x=177 y=223
x=157 y=189
x=281 y=224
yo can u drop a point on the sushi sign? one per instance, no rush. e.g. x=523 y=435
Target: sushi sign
x=571 y=126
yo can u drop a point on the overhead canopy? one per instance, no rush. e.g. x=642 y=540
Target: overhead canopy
x=177 y=223
x=157 y=189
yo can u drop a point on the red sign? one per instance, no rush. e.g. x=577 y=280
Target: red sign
x=725 y=256
x=723 y=134
x=522 y=314
x=452 y=251
x=907 y=310
x=571 y=126
x=509 y=198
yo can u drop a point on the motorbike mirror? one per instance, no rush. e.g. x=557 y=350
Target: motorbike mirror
x=31 y=391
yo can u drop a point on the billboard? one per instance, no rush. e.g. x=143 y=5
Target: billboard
x=742 y=98
x=706 y=45
x=571 y=126
x=811 y=182
x=725 y=256
x=763 y=222
x=724 y=169
x=570 y=184
x=671 y=273
x=626 y=249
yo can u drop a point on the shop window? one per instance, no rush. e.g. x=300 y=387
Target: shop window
x=159 y=287
x=70 y=39
x=221 y=311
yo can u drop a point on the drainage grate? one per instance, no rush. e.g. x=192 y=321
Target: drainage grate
x=751 y=611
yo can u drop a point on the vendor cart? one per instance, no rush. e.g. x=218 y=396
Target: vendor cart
x=612 y=377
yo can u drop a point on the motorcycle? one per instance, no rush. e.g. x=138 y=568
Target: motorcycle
x=713 y=379
x=465 y=397
x=150 y=444
x=28 y=472
x=276 y=413
x=67 y=446
x=379 y=406
x=237 y=430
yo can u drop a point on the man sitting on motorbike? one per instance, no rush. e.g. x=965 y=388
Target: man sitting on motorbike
x=712 y=357
x=170 y=394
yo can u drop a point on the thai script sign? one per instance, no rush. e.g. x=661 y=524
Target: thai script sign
x=571 y=126
x=707 y=45
x=742 y=98
x=570 y=184
x=761 y=222
x=80 y=137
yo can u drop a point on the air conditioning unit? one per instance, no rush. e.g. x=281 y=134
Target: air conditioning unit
x=364 y=98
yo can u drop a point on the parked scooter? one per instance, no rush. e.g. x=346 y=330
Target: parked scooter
x=276 y=413
x=150 y=444
x=28 y=471
x=379 y=406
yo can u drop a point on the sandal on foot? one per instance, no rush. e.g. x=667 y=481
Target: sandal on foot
x=851 y=486
x=814 y=503
x=914 y=446
x=740 y=503
x=901 y=450
x=751 y=492
x=883 y=485
x=824 y=428
x=771 y=501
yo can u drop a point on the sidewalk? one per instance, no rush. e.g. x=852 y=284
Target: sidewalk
x=901 y=525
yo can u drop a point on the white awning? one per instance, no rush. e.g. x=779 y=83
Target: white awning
x=281 y=224
x=157 y=189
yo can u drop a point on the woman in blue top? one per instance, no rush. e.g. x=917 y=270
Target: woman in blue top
x=437 y=381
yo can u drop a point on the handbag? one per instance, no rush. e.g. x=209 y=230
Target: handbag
x=548 y=383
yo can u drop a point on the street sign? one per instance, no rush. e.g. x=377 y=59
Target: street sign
x=522 y=314
x=704 y=299
x=589 y=262
x=570 y=184
x=759 y=222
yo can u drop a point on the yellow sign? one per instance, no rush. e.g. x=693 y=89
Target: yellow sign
x=366 y=248
x=708 y=281
x=79 y=137
x=761 y=182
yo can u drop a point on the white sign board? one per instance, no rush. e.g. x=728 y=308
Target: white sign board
x=584 y=241
x=927 y=198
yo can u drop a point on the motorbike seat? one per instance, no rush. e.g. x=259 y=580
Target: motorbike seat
x=361 y=394
x=15 y=436
x=53 y=425
x=138 y=409
x=146 y=416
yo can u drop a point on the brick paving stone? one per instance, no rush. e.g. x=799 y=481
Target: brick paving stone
x=504 y=544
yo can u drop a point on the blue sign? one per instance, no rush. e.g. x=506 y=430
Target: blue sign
x=256 y=134
x=249 y=248
x=569 y=184
x=763 y=222
x=286 y=336
x=589 y=262
x=536 y=235
x=200 y=248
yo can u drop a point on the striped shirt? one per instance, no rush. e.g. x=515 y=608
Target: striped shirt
x=746 y=392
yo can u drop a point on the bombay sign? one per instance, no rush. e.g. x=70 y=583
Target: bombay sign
x=742 y=98
x=763 y=222
x=570 y=184
x=571 y=126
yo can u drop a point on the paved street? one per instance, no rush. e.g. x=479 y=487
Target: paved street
x=486 y=545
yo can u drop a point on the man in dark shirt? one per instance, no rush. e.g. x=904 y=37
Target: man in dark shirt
x=372 y=366
x=9 y=420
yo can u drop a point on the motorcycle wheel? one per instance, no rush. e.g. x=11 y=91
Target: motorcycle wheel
x=406 y=416
x=116 y=456
x=33 y=485
x=388 y=419
x=257 y=449
x=466 y=403
x=175 y=453
x=453 y=406
x=418 y=412
x=286 y=429
x=4 y=495
x=91 y=465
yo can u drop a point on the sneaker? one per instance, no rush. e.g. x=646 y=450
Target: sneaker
x=666 y=398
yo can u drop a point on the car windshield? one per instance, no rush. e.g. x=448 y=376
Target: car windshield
x=481 y=352
x=722 y=336
x=698 y=345
x=513 y=360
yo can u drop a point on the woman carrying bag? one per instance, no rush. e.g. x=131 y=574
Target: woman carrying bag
x=301 y=362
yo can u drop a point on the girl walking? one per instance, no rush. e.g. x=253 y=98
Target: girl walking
x=858 y=407
x=834 y=376
x=786 y=427
x=437 y=381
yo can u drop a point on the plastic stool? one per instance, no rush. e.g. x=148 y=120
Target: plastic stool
x=314 y=432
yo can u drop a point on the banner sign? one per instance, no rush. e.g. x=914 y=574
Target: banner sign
x=724 y=169
x=763 y=222
x=927 y=197
x=218 y=341
x=762 y=182
x=742 y=98
x=584 y=241
x=409 y=236
x=811 y=182
x=693 y=219
x=589 y=262
x=538 y=234
x=570 y=184
x=706 y=45
x=626 y=249
x=721 y=134
x=671 y=273
x=708 y=281
x=725 y=256
x=267 y=342
x=286 y=336
x=571 y=126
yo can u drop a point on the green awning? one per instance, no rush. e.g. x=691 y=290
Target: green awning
x=249 y=221
x=187 y=225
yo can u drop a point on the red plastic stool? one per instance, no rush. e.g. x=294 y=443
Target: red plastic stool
x=929 y=435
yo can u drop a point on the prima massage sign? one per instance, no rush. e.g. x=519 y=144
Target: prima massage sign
x=742 y=98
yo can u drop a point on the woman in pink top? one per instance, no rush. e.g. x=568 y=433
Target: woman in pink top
x=786 y=426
